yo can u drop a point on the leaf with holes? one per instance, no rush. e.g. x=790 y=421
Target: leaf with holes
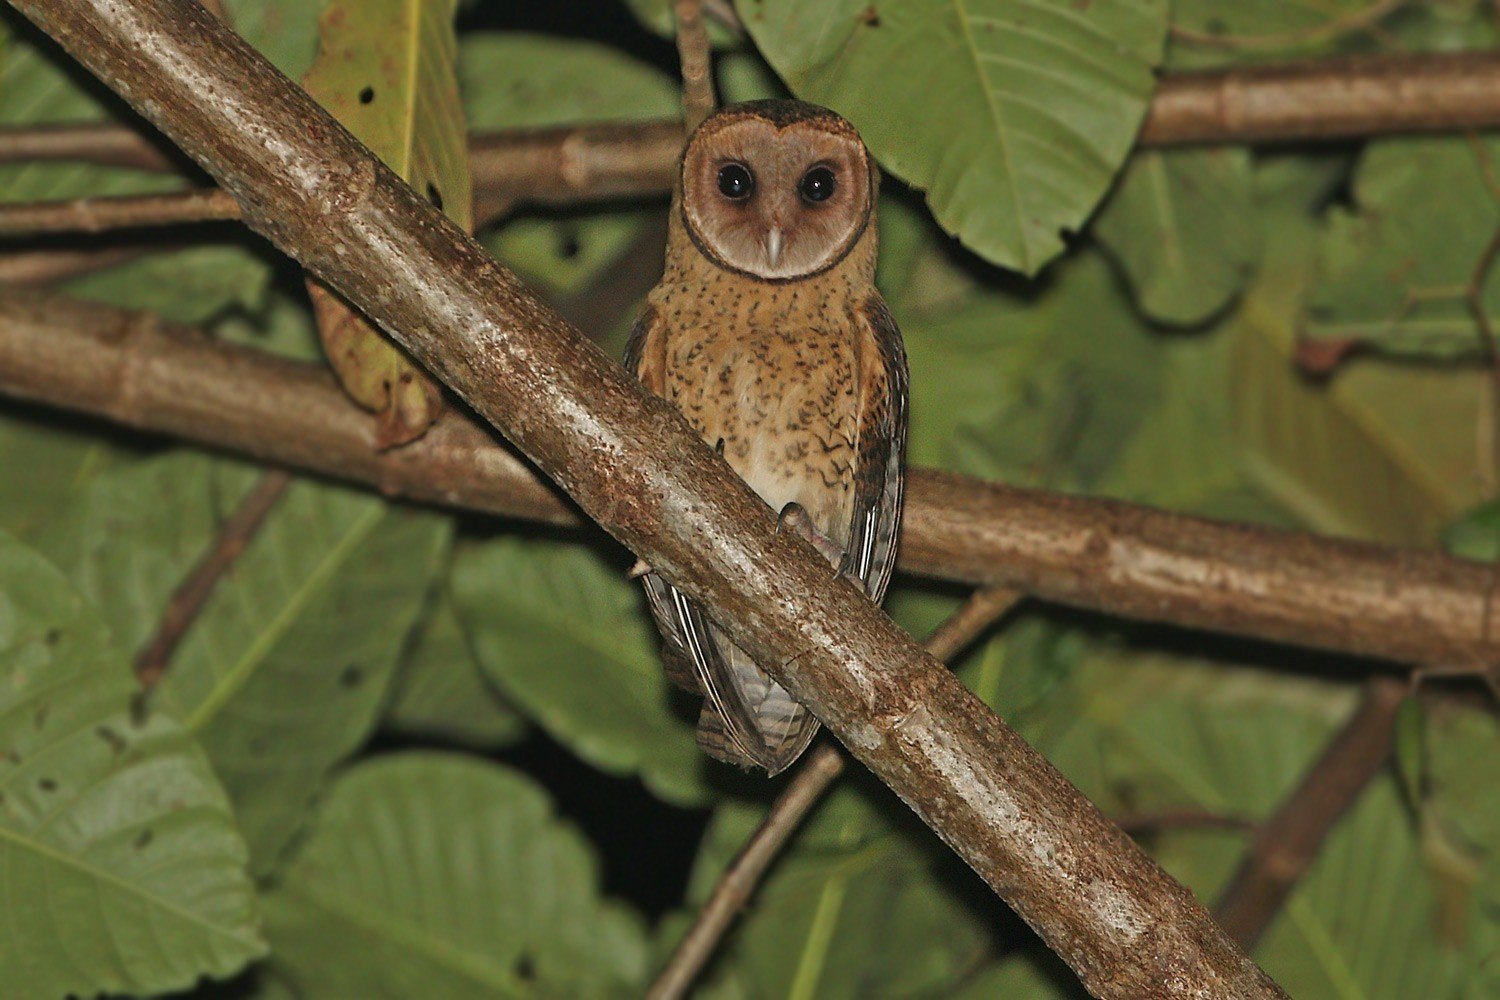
x=123 y=869
x=1013 y=115
x=439 y=876
x=285 y=671
x=387 y=70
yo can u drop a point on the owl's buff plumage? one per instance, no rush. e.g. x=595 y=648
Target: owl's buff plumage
x=767 y=332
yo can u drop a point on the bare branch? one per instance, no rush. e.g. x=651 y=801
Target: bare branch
x=102 y=143
x=97 y=215
x=192 y=594
x=814 y=778
x=42 y=267
x=632 y=463
x=1327 y=99
x=1287 y=843
x=1123 y=559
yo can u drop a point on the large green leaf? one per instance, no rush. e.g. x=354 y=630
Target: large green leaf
x=860 y=907
x=1014 y=115
x=123 y=871
x=1181 y=225
x=525 y=81
x=565 y=635
x=1394 y=272
x=285 y=670
x=439 y=876
x=1026 y=387
x=440 y=690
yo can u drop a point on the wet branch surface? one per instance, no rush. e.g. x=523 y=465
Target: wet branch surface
x=632 y=463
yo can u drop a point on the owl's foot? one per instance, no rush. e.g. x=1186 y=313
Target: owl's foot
x=640 y=569
x=795 y=516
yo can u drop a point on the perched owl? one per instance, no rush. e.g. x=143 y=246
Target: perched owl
x=767 y=332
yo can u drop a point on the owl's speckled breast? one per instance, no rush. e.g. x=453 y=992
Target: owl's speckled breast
x=773 y=372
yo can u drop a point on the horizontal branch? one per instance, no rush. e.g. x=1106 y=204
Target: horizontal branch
x=1323 y=100
x=1123 y=559
x=1342 y=98
x=98 y=215
x=633 y=464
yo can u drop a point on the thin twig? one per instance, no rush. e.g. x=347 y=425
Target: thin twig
x=694 y=53
x=738 y=882
x=44 y=267
x=98 y=215
x=1286 y=844
x=102 y=143
x=190 y=597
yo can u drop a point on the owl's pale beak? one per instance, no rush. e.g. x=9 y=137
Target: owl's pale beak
x=774 y=243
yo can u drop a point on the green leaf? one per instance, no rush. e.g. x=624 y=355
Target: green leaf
x=1182 y=226
x=284 y=31
x=285 y=670
x=526 y=81
x=440 y=690
x=1212 y=33
x=1475 y=535
x=565 y=636
x=1395 y=271
x=187 y=286
x=50 y=461
x=439 y=876
x=1014 y=115
x=131 y=535
x=1032 y=388
x=857 y=908
x=124 y=871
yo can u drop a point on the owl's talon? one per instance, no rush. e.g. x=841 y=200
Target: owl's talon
x=795 y=516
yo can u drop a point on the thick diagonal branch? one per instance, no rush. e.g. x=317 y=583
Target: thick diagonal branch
x=1123 y=559
x=633 y=464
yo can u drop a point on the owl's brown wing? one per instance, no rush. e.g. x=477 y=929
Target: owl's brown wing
x=880 y=477
x=696 y=655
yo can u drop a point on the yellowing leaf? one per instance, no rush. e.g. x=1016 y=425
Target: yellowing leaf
x=387 y=70
x=1379 y=451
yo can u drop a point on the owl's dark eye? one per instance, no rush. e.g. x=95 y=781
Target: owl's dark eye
x=817 y=184
x=735 y=181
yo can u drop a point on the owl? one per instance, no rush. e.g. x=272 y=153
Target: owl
x=768 y=334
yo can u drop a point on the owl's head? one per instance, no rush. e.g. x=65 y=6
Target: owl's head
x=776 y=189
